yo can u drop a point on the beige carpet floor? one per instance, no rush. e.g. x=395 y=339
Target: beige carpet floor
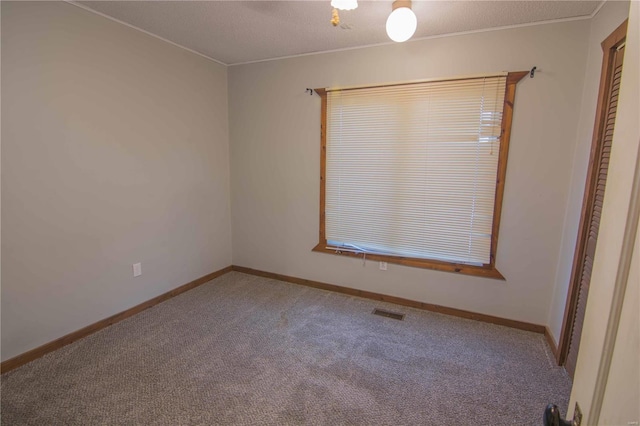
x=250 y=351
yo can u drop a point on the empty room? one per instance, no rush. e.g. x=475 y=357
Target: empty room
x=331 y=212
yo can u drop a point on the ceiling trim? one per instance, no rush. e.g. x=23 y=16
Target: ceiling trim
x=595 y=12
x=461 y=33
x=88 y=9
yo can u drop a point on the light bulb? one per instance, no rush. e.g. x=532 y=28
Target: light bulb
x=401 y=24
x=344 y=4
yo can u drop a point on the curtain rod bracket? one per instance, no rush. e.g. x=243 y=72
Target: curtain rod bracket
x=310 y=91
x=533 y=71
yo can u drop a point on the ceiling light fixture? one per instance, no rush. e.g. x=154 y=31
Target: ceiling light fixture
x=402 y=22
x=344 y=4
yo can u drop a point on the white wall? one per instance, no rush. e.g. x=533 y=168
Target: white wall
x=275 y=146
x=622 y=392
x=114 y=151
x=610 y=16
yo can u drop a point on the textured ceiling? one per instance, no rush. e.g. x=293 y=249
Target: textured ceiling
x=234 y=32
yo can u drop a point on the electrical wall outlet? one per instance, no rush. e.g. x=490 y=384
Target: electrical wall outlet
x=137 y=269
x=577 y=416
x=383 y=266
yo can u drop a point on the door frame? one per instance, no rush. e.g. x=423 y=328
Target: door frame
x=609 y=46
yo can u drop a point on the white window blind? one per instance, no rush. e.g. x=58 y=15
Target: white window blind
x=411 y=169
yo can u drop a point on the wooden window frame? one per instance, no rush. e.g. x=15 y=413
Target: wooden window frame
x=487 y=270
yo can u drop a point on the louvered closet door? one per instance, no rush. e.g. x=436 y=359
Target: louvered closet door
x=595 y=211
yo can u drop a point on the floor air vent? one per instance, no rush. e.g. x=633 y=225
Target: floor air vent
x=388 y=314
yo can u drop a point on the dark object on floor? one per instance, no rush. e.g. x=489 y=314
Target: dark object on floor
x=552 y=417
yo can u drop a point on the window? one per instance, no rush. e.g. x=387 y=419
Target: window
x=414 y=173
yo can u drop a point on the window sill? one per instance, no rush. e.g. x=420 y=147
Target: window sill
x=486 y=271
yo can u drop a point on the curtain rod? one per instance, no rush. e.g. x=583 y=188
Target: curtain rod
x=427 y=80
x=468 y=77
